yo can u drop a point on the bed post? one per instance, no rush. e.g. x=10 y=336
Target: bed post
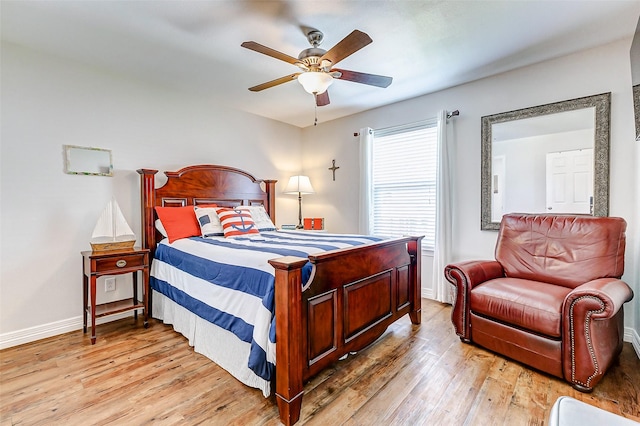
x=414 y=247
x=147 y=197
x=289 y=347
x=270 y=189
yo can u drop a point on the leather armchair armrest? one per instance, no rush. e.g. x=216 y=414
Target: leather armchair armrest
x=464 y=276
x=592 y=317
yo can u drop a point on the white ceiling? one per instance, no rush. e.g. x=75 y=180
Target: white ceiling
x=425 y=46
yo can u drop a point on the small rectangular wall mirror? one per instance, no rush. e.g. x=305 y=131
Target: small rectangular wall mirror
x=80 y=160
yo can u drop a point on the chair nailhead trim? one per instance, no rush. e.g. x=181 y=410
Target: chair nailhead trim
x=587 y=325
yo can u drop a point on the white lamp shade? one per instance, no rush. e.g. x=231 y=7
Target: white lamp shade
x=299 y=184
x=315 y=81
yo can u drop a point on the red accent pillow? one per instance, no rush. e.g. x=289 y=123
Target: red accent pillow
x=236 y=222
x=179 y=222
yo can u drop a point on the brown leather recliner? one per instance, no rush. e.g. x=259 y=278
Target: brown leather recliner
x=552 y=299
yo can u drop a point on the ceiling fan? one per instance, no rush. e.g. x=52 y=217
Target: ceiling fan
x=316 y=65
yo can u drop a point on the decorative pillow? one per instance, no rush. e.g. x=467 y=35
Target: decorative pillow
x=260 y=217
x=208 y=221
x=236 y=222
x=178 y=222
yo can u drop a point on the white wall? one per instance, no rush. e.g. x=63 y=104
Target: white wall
x=604 y=69
x=47 y=216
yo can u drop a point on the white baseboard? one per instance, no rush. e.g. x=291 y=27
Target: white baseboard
x=632 y=336
x=427 y=293
x=32 y=334
x=39 y=332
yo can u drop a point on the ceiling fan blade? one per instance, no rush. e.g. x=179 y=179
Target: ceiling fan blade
x=322 y=99
x=347 y=46
x=275 y=82
x=257 y=47
x=360 y=77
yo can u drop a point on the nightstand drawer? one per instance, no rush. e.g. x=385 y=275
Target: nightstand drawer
x=120 y=262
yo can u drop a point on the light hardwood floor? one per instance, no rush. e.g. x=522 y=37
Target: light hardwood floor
x=410 y=376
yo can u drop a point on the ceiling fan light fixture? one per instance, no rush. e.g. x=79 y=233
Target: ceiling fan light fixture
x=315 y=82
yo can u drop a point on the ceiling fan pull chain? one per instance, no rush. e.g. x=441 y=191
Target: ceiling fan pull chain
x=315 y=96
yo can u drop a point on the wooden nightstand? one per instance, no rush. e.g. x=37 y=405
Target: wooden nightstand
x=115 y=262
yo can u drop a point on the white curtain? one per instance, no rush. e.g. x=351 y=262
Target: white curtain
x=366 y=142
x=444 y=212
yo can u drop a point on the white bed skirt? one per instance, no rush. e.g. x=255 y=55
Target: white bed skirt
x=217 y=344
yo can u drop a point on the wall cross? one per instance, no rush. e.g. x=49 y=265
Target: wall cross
x=333 y=168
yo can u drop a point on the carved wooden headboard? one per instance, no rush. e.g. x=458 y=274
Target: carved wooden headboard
x=201 y=184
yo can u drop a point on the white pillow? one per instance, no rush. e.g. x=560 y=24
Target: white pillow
x=260 y=217
x=210 y=225
x=160 y=228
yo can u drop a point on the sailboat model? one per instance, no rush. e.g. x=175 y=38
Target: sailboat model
x=112 y=231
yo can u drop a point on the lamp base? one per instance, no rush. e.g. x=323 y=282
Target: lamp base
x=299 y=226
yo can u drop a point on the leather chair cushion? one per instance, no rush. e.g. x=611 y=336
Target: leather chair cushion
x=563 y=250
x=530 y=305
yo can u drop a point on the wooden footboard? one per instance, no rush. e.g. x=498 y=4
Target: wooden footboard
x=353 y=295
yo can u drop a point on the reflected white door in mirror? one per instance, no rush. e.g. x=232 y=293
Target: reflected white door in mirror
x=569 y=181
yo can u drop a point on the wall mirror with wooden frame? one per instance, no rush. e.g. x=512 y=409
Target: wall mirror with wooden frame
x=551 y=158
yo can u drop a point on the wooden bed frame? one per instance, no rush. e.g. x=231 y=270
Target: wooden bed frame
x=353 y=294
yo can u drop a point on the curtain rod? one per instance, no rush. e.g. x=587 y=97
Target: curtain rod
x=449 y=115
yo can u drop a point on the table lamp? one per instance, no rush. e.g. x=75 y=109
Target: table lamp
x=299 y=185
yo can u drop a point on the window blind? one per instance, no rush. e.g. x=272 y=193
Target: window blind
x=403 y=181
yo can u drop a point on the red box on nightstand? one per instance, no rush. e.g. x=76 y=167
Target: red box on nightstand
x=313 y=224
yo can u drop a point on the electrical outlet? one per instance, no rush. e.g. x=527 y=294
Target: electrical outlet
x=110 y=284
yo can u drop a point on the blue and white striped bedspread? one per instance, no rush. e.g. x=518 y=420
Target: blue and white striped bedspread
x=230 y=283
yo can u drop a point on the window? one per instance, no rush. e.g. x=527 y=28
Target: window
x=403 y=181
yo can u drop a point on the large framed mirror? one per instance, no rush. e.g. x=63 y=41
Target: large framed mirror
x=636 y=109
x=551 y=158
x=635 y=77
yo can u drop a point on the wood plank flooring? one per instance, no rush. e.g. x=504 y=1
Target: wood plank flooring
x=410 y=376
